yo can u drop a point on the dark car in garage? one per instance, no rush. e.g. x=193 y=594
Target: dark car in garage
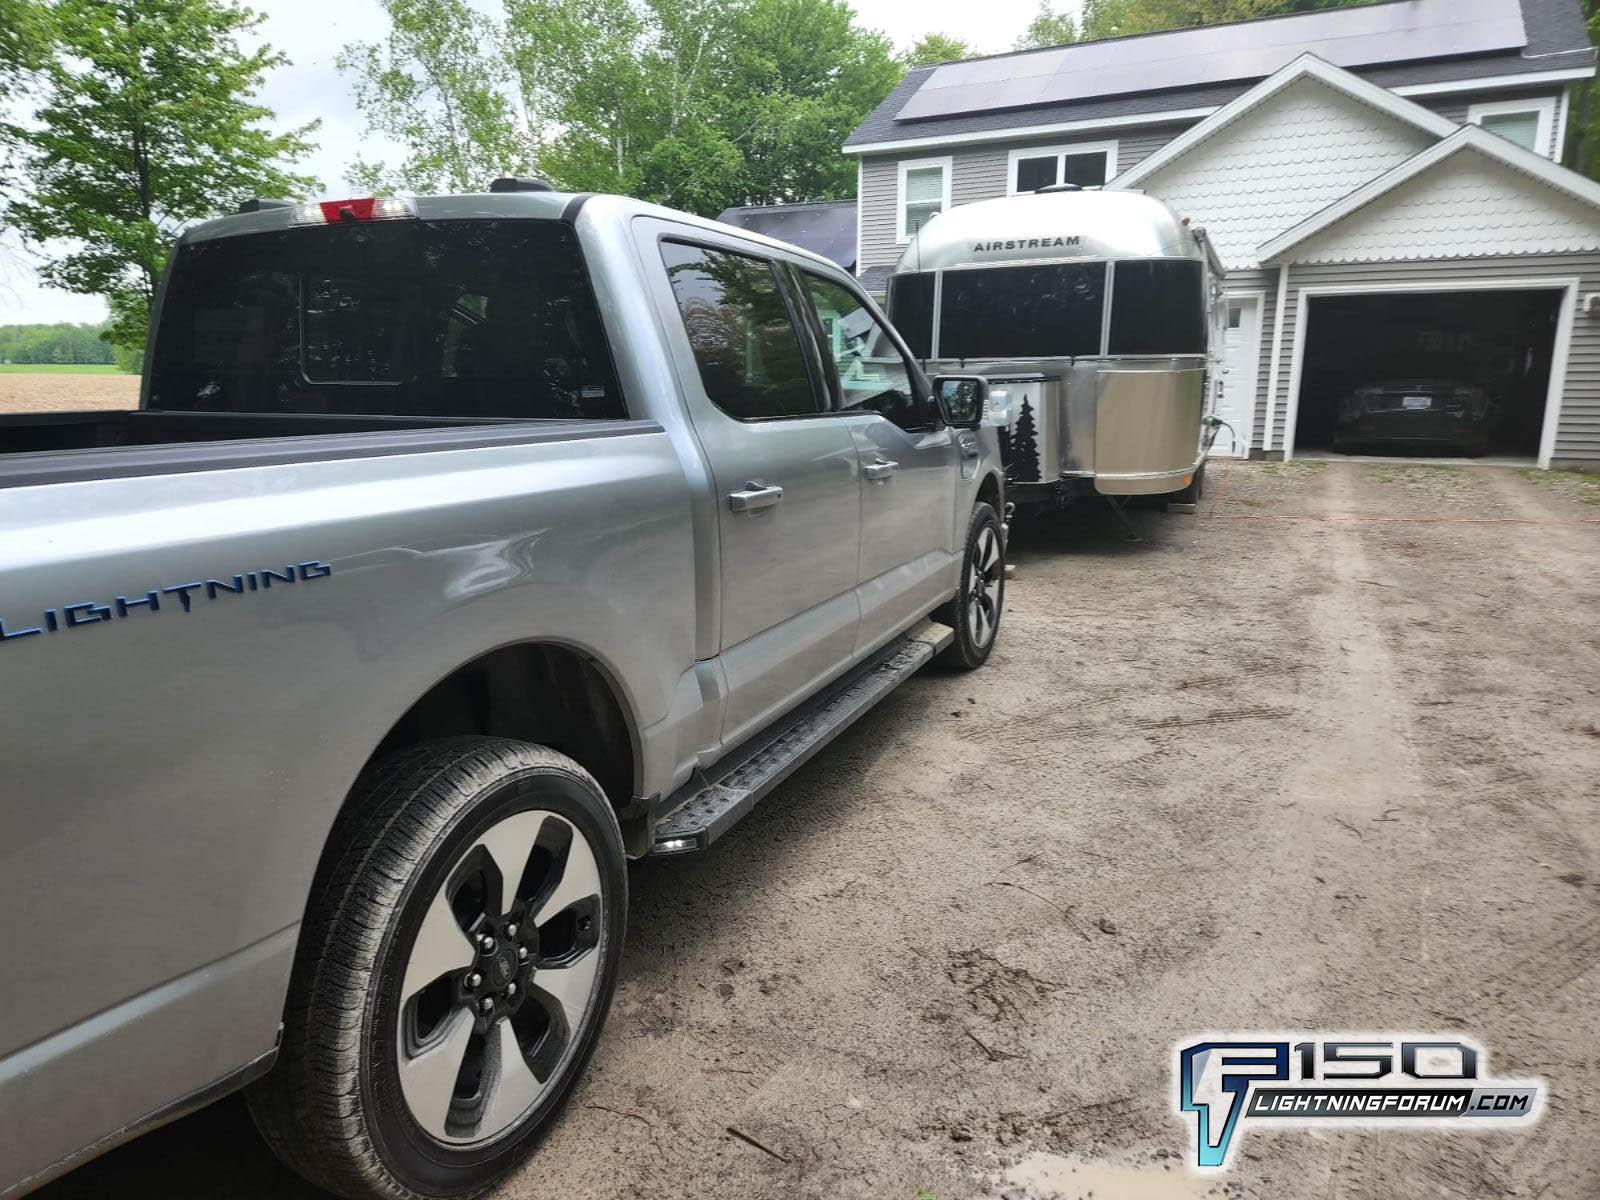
x=1417 y=413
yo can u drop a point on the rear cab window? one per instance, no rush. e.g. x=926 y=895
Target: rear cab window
x=450 y=321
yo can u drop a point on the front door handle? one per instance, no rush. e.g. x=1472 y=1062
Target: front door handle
x=880 y=470
x=755 y=496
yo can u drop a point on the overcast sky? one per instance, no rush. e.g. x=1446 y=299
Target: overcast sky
x=311 y=32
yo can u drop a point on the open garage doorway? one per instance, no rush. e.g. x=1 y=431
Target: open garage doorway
x=1436 y=374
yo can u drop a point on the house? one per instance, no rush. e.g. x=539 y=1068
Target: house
x=1383 y=184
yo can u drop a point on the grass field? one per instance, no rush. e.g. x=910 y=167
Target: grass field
x=57 y=369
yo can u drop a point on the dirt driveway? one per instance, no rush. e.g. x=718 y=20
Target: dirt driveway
x=1324 y=756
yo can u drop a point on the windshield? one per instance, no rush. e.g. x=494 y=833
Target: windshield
x=440 y=319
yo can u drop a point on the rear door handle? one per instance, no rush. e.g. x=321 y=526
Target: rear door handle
x=880 y=470
x=755 y=496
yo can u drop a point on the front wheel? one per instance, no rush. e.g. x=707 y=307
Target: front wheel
x=975 y=612
x=456 y=964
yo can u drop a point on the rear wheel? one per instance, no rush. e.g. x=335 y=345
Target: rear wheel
x=975 y=612
x=456 y=965
x=1195 y=490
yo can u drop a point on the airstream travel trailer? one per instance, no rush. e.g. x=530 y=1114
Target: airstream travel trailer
x=1091 y=314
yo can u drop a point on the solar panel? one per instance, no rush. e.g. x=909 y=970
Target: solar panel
x=1406 y=31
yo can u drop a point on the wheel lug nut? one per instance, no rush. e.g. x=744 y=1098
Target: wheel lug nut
x=511 y=989
x=486 y=944
x=474 y=980
x=511 y=931
x=522 y=954
x=486 y=1004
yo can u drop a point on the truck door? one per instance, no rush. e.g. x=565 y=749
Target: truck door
x=784 y=467
x=910 y=462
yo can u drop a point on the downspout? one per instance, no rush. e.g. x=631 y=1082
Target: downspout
x=1277 y=352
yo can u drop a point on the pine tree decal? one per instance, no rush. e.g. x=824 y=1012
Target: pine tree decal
x=1025 y=448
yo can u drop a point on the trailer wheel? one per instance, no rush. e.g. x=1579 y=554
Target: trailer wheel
x=453 y=973
x=976 y=611
x=1192 y=493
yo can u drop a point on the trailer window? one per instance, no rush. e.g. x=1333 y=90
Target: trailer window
x=1023 y=312
x=438 y=319
x=1158 y=308
x=911 y=311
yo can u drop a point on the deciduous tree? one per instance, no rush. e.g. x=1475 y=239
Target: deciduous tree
x=147 y=123
x=935 y=48
x=439 y=85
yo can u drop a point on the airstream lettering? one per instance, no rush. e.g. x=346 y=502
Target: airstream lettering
x=1096 y=345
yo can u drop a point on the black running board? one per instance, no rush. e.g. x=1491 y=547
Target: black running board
x=714 y=801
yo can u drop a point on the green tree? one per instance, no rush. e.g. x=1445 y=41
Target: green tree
x=1048 y=28
x=146 y=124
x=700 y=104
x=935 y=48
x=432 y=87
x=25 y=38
x=1125 y=18
x=1582 y=150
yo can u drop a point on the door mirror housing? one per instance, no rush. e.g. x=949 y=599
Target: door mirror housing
x=962 y=399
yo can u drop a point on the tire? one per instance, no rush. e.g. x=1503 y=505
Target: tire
x=392 y=1078
x=1192 y=493
x=976 y=611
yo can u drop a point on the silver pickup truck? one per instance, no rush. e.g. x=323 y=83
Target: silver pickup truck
x=460 y=548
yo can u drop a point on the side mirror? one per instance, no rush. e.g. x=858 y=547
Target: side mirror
x=962 y=399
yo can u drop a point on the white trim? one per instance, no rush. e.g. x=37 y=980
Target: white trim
x=1109 y=149
x=1488 y=83
x=1307 y=66
x=1562 y=113
x=860 y=203
x=1274 y=372
x=1561 y=348
x=1542 y=107
x=912 y=164
x=1259 y=298
x=1466 y=137
x=1016 y=133
x=1492 y=82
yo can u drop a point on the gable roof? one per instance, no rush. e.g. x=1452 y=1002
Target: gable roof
x=1557 y=50
x=826 y=227
x=1307 y=66
x=1468 y=137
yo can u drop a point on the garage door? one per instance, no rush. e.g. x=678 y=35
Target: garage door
x=1241 y=357
x=1427 y=373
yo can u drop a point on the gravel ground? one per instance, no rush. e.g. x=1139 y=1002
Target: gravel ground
x=1323 y=756
x=67 y=392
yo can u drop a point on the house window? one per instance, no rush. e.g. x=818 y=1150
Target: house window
x=1528 y=123
x=1088 y=164
x=923 y=193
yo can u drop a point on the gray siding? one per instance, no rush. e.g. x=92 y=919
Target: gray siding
x=980 y=174
x=1578 y=434
x=1455 y=106
x=1265 y=282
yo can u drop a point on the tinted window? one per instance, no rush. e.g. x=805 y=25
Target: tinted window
x=1158 y=308
x=469 y=319
x=872 y=372
x=911 y=311
x=1022 y=312
x=1085 y=170
x=739 y=327
x=1035 y=173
